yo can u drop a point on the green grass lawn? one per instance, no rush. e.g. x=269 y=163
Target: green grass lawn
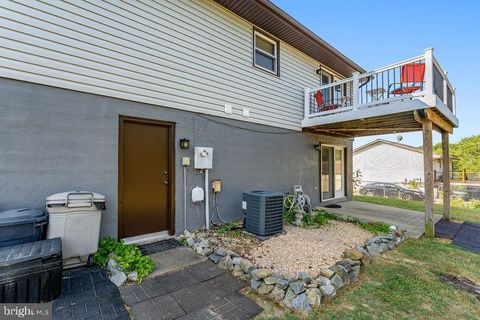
x=404 y=284
x=461 y=214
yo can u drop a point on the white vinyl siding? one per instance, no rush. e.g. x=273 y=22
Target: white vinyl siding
x=191 y=55
x=389 y=163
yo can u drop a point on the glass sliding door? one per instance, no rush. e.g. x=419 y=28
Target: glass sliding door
x=339 y=172
x=327 y=176
x=332 y=172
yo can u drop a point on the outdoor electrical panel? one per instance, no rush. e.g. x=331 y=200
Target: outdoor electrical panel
x=203 y=158
x=185 y=161
x=217 y=185
x=197 y=194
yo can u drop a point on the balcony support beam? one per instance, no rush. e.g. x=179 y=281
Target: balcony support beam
x=439 y=124
x=428 y=176
x=446 y=174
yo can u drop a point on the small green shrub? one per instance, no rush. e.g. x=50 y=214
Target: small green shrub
x=105 y=247
x=375 y=227
x=461 y=203
x=307 y=219
x=230 y=227
x=128 y=257
x=457 y=202
x=289 y=217
x=357 y=180
x=321 y=218
x=412 y=184
x=474 y=204
x=183 y=241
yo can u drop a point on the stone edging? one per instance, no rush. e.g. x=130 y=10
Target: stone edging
x=301 y=292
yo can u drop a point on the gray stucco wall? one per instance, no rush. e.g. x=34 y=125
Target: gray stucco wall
x=54 y=140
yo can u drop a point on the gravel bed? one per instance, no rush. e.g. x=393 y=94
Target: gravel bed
x=307 y=250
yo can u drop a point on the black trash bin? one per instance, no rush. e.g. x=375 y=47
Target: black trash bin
x=31 y=272
x=22 y=226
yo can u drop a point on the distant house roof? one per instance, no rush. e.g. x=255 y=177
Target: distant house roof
x=269 y=17
x=395 y=144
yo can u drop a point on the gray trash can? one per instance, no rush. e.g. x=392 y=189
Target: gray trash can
x=23 y=225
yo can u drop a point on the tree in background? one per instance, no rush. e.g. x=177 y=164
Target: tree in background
x=467 y=151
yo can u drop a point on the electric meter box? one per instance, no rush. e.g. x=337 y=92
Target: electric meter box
x=203 y=158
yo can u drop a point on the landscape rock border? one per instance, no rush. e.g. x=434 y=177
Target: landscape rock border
x=302 y=293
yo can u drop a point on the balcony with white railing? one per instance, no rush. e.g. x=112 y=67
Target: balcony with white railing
x=382 y=101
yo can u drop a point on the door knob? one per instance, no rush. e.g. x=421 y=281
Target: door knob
x=165 y=182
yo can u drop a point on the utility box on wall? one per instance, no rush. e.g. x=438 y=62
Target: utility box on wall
x=203 y=158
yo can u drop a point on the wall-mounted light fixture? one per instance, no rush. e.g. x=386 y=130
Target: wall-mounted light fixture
x=317 y=146
x=184 y=143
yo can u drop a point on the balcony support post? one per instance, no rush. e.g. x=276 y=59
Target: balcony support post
x=306 y=103
x=355 y=86
x=446 y=175
x=429 y=76
x=428 y=176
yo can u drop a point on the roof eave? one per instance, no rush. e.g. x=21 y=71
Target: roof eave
x=267 y=16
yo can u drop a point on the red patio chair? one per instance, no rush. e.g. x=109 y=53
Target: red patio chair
x=321 y=103
x=411 y=79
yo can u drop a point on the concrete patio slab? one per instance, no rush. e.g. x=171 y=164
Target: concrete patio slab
x=173 y=260
x=412 y=221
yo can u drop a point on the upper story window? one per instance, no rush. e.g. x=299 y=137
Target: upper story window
x=265 y=55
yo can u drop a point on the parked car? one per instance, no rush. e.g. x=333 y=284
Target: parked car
x=390 y=190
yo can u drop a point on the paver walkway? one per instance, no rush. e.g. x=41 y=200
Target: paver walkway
x=87 y=293
x=200 y=291
x=412 y=221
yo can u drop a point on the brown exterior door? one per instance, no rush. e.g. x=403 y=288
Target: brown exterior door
x=145 y=177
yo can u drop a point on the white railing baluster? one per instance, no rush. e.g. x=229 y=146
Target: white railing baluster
x=355 y=84
x=306 y=105
x=429 y=75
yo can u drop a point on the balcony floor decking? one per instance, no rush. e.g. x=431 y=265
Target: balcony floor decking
x=392 y=123
x=363 y=123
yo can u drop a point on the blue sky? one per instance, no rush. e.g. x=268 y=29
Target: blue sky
x=374 y=33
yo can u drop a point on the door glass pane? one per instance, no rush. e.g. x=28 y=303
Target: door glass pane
x=264 y=61
x=326 y=170
x=265 y=45
x=325 y=79
x=327 y=93
x=338 y=169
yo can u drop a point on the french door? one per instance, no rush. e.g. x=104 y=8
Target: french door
x=332 y=172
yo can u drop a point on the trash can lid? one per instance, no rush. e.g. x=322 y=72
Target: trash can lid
x=19 y=216
x=75 y=198
x=37 y=250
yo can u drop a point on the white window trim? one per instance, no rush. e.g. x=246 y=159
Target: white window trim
x=274 y=56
